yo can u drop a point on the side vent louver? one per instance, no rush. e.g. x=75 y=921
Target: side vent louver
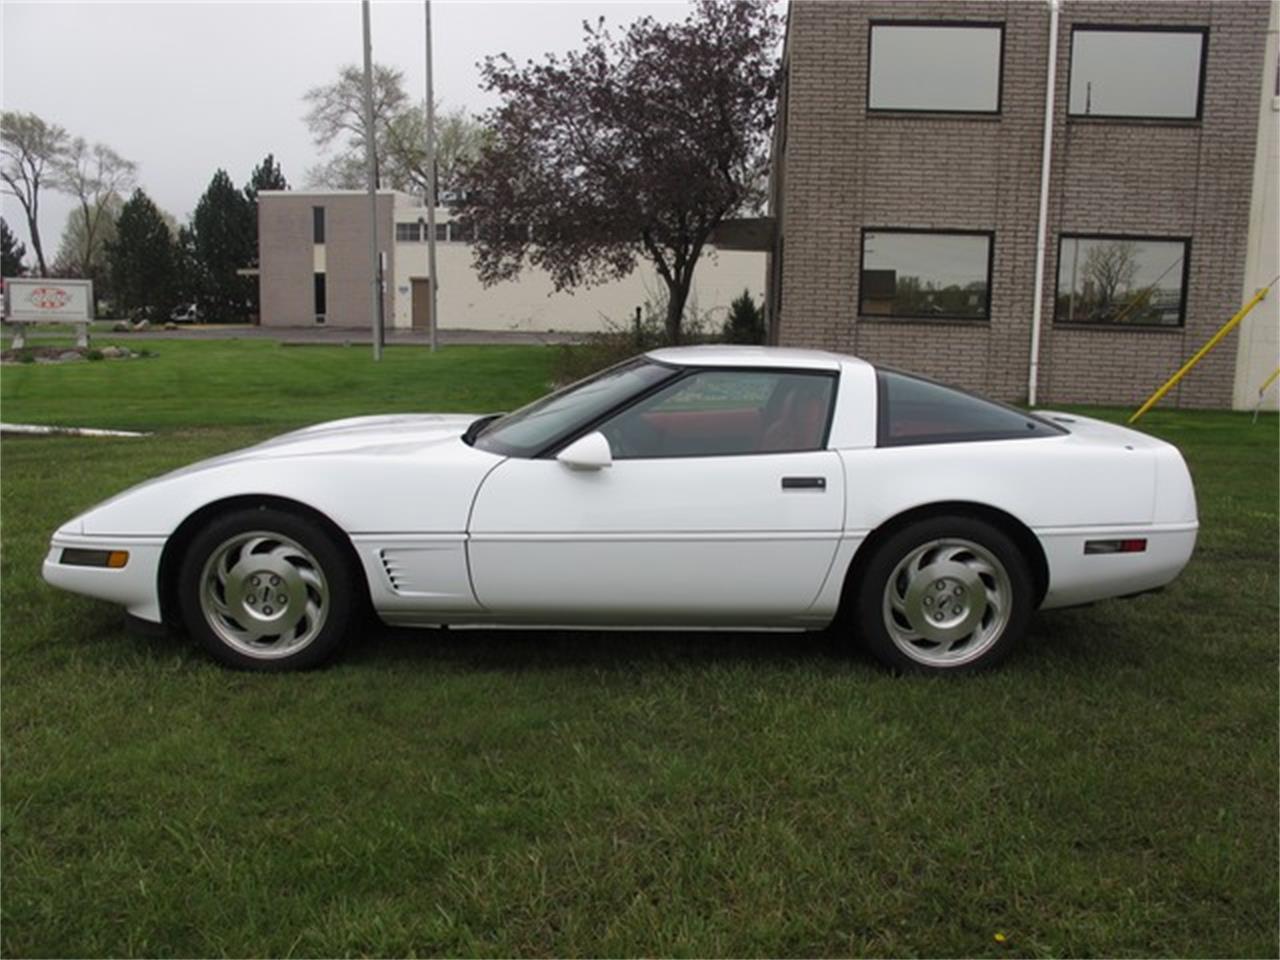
x=394 y=569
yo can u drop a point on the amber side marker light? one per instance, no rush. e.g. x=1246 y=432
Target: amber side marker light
x=113 y=559
x=1115 y=546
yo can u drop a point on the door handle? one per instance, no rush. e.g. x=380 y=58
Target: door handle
x=804 y=483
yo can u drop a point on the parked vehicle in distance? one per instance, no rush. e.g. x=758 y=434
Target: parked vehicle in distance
x=186 y=313
x=697 y=487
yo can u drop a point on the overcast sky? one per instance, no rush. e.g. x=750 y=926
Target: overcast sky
x=183 y=88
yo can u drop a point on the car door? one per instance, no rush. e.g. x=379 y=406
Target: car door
x=721 y=506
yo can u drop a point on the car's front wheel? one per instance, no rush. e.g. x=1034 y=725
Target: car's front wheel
x=263 y=589
x=944 y=594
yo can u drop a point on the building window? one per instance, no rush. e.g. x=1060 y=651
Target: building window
x=1122 y=281
x=461 y=231
x=941 y=68
x=442 y=233
x=1137 y=73
x=408 y=233
x=317 y=224
x=321 y=298
x=936 y=275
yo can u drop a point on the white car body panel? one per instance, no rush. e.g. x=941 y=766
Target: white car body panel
x=401 y=487
x=1077 y=578
x=690 y=540
x=133 y=587
x=447 y=533
x=398 y=474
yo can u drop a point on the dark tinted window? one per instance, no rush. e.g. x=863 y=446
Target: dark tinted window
x=1121 y=281
x=317 y=224
x=408 y=232
x=948 y=68
x=925 y=275
x=321 y=295
x=726 y=413
x=913 y=410
x=1136 y=73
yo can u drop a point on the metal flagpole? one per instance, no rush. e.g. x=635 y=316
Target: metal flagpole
x=371 y=165
x=431 y=188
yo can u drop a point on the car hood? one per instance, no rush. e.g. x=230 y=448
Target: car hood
x=393 y=433
x=349 y=452
x=382 y=436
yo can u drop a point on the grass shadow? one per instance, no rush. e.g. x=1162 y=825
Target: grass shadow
x=530 y=649
x=1061 y=641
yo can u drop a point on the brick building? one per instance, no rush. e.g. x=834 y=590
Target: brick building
x=907 y=187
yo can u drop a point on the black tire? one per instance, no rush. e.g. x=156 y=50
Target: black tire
x=264 y=589
x=959 y=585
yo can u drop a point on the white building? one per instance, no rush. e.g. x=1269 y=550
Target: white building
x=314 y=270
x=1259 y=343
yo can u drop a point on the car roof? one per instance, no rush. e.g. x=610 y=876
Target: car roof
x=722 y=355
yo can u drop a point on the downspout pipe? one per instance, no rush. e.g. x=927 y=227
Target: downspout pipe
x=1042 y=227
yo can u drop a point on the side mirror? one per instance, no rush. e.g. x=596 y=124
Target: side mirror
x=587 y=453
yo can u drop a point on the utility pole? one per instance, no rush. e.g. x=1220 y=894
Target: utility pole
x=431 y=188
x=371 y=165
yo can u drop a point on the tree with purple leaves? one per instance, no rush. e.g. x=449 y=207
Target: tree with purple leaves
x=635 y=146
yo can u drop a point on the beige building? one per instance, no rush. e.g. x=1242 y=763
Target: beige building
x=314 y=270
x=1259 y=347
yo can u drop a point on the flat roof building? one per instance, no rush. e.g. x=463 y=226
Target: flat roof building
x=314 y=257
x=907 y=183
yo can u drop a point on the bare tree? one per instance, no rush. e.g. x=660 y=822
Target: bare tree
x=30 y=151
x=342 y=171
x=336 y=113
x=458 y=139
x=96 y=176
x=336 y=120
x=1111 y=268
x=78 y=256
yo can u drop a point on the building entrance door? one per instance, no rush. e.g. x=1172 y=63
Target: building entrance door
x=421 y=303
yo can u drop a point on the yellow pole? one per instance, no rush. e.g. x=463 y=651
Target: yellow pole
x=1270 y=380
x=1200 y=354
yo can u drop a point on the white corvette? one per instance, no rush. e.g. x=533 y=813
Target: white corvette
x=696 y=487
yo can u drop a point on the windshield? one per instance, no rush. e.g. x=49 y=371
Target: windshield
x=531 y=429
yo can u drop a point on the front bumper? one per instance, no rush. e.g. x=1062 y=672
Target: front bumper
x=135 y=586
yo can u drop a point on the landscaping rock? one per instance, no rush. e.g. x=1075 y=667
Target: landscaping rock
x=171 y=325
x=141 y=326
x=69 y=355
x=121 y=326
x=113 y=353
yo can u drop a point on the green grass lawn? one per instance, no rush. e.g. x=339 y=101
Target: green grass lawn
x=223 y=383
x=1111 y=791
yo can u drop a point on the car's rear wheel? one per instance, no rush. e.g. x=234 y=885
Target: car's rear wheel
x=263 y=589
x=945 y=594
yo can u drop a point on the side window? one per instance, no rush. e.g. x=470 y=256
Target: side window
x=914 y=411
x=726 y=413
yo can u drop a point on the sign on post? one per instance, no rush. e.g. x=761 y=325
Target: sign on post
x=43 y=300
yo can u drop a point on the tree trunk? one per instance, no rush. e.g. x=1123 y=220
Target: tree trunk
x=675 y=312
x=33 y=228
x=677 y=296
